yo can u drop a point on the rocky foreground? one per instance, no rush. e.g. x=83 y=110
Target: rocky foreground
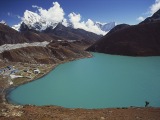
x=58 y=113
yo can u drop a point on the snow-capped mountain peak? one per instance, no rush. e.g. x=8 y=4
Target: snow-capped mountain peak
x=34 y=21
x=17 y=27
x=3 y=22
x=105 y=26
x=30 y=17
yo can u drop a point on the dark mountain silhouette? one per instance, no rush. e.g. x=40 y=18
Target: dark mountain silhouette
x=118 y=27
x=153 y=18
x=71 y=33
x=137 y=40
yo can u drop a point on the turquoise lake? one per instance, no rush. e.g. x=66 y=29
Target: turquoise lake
x=103 y=81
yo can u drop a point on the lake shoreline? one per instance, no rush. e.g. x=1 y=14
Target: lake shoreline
x=79 y=112
x=8 y=90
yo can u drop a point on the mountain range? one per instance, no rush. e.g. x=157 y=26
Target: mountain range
x=66 y=42
x=133 y=40
x=60 y=32
x=60 y=48
x=33 y=21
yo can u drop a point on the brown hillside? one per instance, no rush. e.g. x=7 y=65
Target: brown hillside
x=138 y=40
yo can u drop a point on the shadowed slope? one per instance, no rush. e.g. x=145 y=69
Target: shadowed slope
x=138 y=40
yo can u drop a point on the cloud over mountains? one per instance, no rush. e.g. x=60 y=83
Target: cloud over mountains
x=155 y=7
x=89 y=25
x=54 y=15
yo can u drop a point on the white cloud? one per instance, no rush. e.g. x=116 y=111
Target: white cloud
x=75 y=20
x=152 y=9
x=30 y=17
x=155 y=7
x=53 y=14
x=65 y=22
x=9 y=14
x=35 y=6
x=13 y=15
x=19 y=17
x=140 y=18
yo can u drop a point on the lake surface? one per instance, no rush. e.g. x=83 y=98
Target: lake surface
x=103 y=81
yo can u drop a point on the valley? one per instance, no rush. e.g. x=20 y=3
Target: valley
x=26 y=66
x=41 y=42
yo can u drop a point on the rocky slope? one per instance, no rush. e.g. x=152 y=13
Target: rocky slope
x=10 y=36
x=60 y=32
x=72 y=34
x=39 y=37
x=55 y=52
x=138 y=40
x=65 y=44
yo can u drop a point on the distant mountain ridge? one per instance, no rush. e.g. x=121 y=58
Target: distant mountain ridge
x=72 y=34
x=106 y=26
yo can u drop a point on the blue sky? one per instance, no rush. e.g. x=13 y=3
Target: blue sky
x=119 y=11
